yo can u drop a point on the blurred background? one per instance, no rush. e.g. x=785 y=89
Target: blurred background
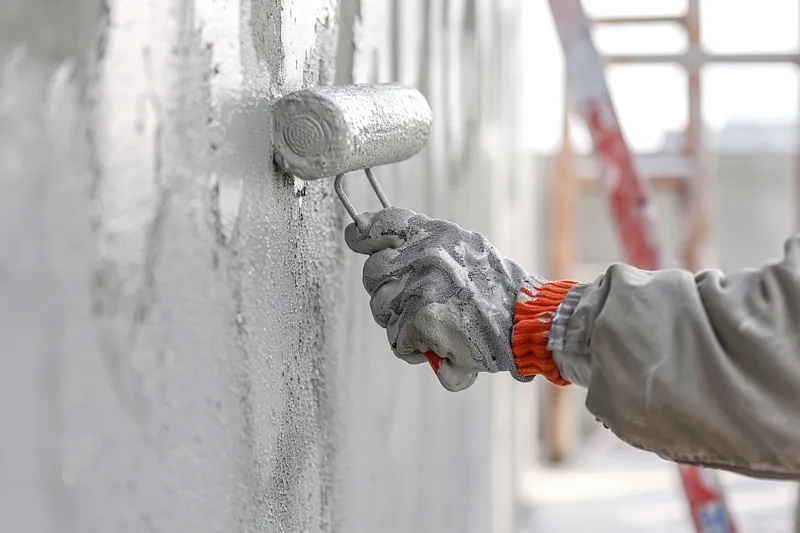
x=186 y=342
x=706 y=94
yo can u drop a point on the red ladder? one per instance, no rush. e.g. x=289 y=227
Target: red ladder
x=630 y=208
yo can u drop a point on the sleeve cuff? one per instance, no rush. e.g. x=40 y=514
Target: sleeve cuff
x=538 y=314
x=558 y=331
x=573 y=365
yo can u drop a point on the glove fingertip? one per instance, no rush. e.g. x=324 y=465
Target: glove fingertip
x=380 y=230
x=416 y=359
x=351 y=237
x=453 y=378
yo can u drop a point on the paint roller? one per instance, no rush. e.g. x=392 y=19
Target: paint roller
x=329 y=131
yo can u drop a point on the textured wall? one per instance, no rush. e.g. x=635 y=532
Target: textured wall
x=186 y=344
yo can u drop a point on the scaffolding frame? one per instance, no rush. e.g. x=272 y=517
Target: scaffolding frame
x=686 y=174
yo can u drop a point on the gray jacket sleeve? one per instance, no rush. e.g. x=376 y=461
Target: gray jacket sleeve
x=701 y=369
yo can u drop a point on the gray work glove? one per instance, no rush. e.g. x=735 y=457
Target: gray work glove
x=435 y=286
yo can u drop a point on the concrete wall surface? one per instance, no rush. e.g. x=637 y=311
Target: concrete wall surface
x=186 y=345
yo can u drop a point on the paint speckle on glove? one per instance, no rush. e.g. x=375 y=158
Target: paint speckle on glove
x=435 y=286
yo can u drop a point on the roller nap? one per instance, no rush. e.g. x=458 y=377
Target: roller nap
x=330 y=130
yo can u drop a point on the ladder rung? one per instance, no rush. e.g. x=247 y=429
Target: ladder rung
x=700 y=58
x=680 y=19
x=655 y=182
x=674 y=167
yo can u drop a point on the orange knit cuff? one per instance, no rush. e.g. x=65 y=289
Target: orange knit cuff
x=533 y=316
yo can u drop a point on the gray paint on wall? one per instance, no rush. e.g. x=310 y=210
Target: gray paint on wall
x=187 y=346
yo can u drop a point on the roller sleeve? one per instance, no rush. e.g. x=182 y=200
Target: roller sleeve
x=329 y=130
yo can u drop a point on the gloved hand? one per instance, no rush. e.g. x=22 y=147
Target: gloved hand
x=435 y=286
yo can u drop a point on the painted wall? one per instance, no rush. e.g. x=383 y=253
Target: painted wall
x=186 y=344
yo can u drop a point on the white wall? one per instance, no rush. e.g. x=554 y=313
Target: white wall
x=187 y=346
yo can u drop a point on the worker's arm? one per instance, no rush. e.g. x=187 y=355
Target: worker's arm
x=697 y=368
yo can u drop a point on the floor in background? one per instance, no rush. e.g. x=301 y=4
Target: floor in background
x=613 y=488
